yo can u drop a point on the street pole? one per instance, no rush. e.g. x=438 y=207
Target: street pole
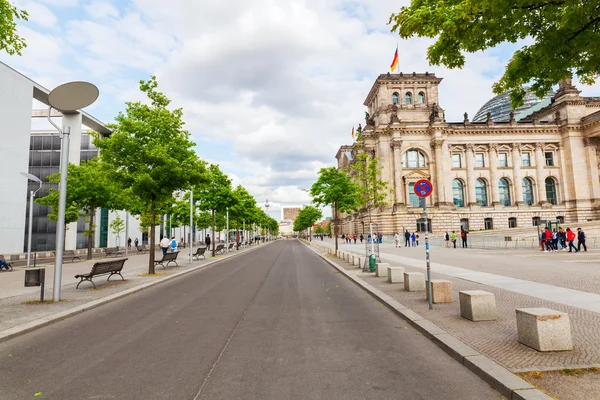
x=127 y=232
x=60 y=223
x=430 y=297
x=191 y=223
x=227 y=231
x=31 y=194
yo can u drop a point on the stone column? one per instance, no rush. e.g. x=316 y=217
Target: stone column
x=540 y=162
x=398 y=184
x=518 y=178
x=470 y=163
x=590 y=152
x=447 y=172
x=562 y=185
x=386 y=163
x=493 y=156
x=438 y=180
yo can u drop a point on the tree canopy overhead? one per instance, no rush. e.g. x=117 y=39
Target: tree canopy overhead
x=565 y=35
x=10 y=41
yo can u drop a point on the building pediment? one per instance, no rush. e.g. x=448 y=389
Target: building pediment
x=416 y=175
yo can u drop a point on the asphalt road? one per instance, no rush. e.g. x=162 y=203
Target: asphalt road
x=276 y=323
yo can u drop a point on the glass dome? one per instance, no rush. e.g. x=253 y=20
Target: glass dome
x=500 y=107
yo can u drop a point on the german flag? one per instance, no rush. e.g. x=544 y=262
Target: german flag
x=395 y=62
x=352 y=132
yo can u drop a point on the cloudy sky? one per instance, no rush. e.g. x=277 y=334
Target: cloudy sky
x=270 y=88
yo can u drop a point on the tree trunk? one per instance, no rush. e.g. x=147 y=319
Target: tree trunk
x=213 y=232
x=310 y=234
x=334 y=228
x=152 y=240
x=91 y=230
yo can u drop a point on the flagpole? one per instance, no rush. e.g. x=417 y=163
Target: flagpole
x=398 y=63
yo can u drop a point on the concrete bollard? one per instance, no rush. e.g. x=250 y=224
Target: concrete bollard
x=477 y=305
x=544 y=329
x=414 y=281
x=381 y=269
x=442 y=291
x=395 y=274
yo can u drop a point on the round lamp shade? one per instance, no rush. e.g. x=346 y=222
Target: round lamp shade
x=31 y=177
x=73 y=96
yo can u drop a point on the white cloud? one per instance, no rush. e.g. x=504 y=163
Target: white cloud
x=101 y=9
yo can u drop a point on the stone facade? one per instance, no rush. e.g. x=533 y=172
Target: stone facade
x=486 y=175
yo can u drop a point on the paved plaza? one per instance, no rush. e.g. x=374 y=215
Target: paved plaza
x=560 y=281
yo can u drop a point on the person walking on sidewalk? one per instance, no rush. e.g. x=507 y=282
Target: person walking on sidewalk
x=562 y=237
x=417 y=239
x=164 y=245
x=447 y=239
x=129 y=242
x=407 y=238
x=548 y=235
x=463 y=236
x=207 y=240
x=413 y=239
x=570 y=238
x=453 y=238
x=173 y=245
x=581 y=239
x=397 y=239
x=136 y=242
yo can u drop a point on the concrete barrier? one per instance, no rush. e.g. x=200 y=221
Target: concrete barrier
x=442 y=291
x=544 y=329
x=395 y=274
x=414 y=281
x=381 y=269
x=477 y=305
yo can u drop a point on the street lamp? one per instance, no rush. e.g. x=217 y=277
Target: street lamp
x=66 y=98
x=31 y=197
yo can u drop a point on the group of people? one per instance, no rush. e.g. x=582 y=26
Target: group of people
x=452 y=237
x=136 y=242
x=551 y=239
x=409 y=239
x=167 y=244
x=349 y=239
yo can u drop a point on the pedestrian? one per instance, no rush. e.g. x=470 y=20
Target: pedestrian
x=354 y=237
x=207 y=240
x=407 y=238
x=362 y=238
x=129 y=242
x=164 y=244
x=417 y=237
x=369 y=238
x=447 y=239
x=562 y=237
x=555 y=239
x=136 y=242
x=542 y=239
x=413 y=239
x=581 y=240
x=4 y=264
x=548 y=238
x=397 y=238
x=453 y=238
x=570 y=238
x=463 y=236
x=173 y=245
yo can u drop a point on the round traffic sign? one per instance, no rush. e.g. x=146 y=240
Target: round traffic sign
x=423 y=188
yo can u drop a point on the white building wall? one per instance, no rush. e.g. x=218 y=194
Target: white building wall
x=134 y=230
x=15 y=113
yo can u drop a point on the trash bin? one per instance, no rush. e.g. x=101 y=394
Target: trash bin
x=372 y=263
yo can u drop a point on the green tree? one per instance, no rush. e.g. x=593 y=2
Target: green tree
x=152 y=154
x=328 y=228
x=333 y=188
x=306 y=219
x=117 y=226
x=10 y=41
x=215 y=195
x=72 y=210
x=565 y=34
x=242 y=211
x=319 y=229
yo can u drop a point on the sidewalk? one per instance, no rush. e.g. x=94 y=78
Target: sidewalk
x=498 y=339
x=20 y=305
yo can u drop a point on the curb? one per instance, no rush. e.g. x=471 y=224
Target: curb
x=41 y=322
x=501 y=379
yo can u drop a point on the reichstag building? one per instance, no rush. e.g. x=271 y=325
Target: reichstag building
x=504 y=169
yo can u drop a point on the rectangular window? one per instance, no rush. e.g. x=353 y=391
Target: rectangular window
x=549 y=158
x=479 y=160
x=456 y=161
x=503 y=159
x=526 y=159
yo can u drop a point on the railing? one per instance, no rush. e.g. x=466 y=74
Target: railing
x=506 y=242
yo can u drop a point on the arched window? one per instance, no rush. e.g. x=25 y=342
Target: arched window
x=413 y=159
x=458 y=193
x=408 y=98
x=395 y=97
x=421 y=98
x=504 y=191
x=527 y=191
x=551 y=191
x=481 y=192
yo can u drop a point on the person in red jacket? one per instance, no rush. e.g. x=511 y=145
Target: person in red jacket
x=548 y=237
x=570 y=237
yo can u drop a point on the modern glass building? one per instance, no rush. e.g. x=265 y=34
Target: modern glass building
x=499 y=107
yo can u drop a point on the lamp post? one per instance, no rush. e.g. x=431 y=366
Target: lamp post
x=191 y=224
x=227 y=231
x=66 y=98
x=31 y=197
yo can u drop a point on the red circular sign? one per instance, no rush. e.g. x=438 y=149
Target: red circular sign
x=423 y=188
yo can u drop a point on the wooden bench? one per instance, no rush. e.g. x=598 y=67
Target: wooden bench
x=112 y=267
x=141 y=249
x=168 y=258
x=199 y=253
x=219 y=249
x=112 y=252
x=230 y=246
x=69 y=255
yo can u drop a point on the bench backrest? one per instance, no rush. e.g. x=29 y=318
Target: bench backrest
x=111 y=250
x=69 y=253
x=219 y=247
x=200 y=251
x=140 y=248
x=170 y=256
x=103 y=267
